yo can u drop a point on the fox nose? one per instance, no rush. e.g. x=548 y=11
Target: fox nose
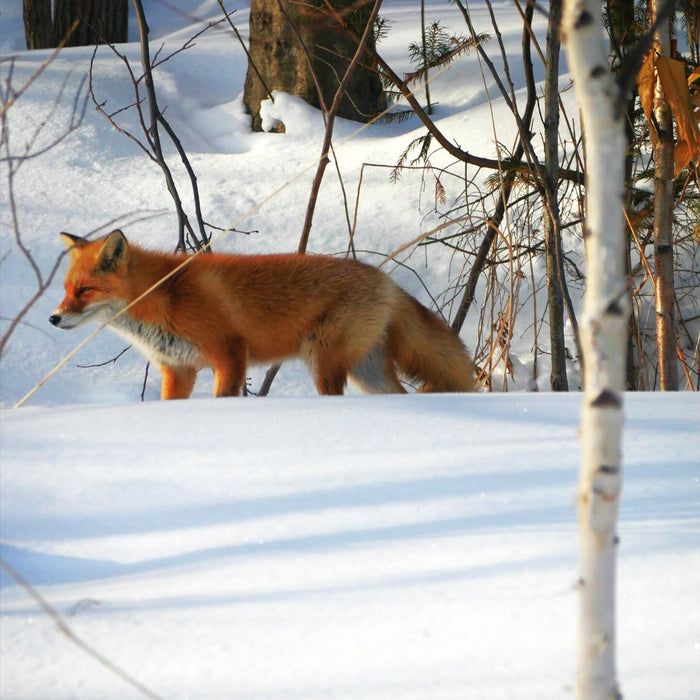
x=54 y=319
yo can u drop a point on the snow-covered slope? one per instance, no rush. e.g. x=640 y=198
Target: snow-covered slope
x=356 y=547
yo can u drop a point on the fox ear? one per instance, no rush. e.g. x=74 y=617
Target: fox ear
x=72 y=243
x=114 y=252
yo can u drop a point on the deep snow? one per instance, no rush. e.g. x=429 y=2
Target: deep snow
x=357 y=547
x=299 y=547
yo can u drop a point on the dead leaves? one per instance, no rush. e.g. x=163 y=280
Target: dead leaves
x=684 y=105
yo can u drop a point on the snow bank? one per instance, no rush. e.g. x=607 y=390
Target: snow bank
x=356 y=547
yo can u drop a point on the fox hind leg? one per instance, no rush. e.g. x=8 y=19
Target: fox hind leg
x=229 y=364
x=350 y=344
x=323 y=357
x=330 y=380
x=328 y=373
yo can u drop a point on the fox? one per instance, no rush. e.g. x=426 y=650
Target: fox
x=345 y=319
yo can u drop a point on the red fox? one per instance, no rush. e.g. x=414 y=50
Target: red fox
x=343 y=318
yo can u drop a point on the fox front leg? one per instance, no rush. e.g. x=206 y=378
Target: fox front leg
x=178 y=382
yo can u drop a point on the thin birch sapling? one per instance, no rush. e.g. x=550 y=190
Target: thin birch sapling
x=603 y=337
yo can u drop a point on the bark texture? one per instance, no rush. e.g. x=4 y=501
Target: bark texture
x=78 y=22
x=663 y=221
x=38 y=24
x=300 y=48
x=101 y=21
x=552 y=233
x=603 y=337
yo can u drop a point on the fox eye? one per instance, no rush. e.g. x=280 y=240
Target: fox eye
x=83 y=290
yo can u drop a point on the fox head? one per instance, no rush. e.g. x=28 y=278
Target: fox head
x=92 y=280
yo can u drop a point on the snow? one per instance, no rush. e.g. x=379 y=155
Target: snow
x=355 y=547
x=299 y=547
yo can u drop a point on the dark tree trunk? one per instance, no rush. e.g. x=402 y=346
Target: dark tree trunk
x=38 y=24
x=558 y=378
x=101 y=21
x=621 y=20
x=300 y=48
x=663 y=223
x=98 y=22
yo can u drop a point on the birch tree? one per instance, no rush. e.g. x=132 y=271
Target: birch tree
x=603 y=339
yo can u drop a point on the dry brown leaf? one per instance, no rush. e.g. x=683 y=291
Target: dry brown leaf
x=645 y=86
x=695 y=97
x=675 y=86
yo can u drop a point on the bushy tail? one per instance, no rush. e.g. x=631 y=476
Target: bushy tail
x=426 y=349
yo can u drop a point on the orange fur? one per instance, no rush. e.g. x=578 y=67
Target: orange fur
x=342 y=317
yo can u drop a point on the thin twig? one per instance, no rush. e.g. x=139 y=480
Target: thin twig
x=111 y=361
x=49 y=60
x=227 y=15
x=65 y=629
x=335 y=106
x=152 y=131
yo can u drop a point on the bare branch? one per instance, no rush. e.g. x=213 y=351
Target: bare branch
x=227 y=15
x=66 y=630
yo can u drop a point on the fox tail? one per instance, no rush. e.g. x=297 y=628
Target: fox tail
x=427 y=350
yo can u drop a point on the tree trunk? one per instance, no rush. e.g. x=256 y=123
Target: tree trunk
x=621 y=23
x=603 y=336
x=298 y=47
x=663 y=221
x=552 y=233
x=100 y=21
x=38 y=24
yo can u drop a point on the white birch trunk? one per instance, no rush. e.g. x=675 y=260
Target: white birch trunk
x=603 y=337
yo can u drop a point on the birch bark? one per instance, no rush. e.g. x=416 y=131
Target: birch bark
x=603 y=338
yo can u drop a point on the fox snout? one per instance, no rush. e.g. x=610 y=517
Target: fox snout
x=56 y=319
x=67 y=317
x=66 y=320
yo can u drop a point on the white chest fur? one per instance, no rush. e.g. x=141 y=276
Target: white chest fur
x=159 y=345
